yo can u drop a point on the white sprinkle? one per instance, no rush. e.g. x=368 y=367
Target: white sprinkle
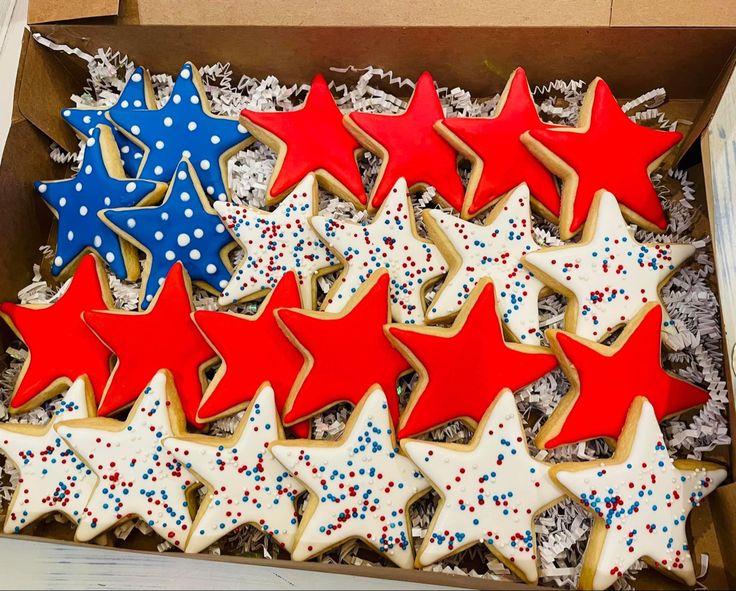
x=219 y=228
x=110 y=257
x=124 y=104
x=70 y=235
x=210 y=190
x=136 y=77
x=182 y=239
x=83 y=211
x=135 y=130
x=78 y=187
x=211 y=269
x=184 y=196
x=182 y=175
x=88 y=169
x=223 y=284
x=125 y=149
x=198 y=232
x=215 y=139
x=170 y=256
x=192 y=125
x=107 y=201
x=130 y=187
x=222 y=197
x=158 y=235
x=160 y=145
x=58 y=261
x=42 y=188
x=164 y=216
x=204 y=165
x=188 y=212
x=67 y=112
x=137 y=104
x=158 y=170
x=194 y=99
x=186 y=154
x=185 y=73
x=62 y=202
x=131 y=223
x=168 y=121
x=87 y=119
x=98 y=241
x=242 y=129
x=194 y=254
x=176 y=98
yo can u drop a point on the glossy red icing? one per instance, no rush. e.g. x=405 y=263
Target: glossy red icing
x=413 y=148
x=253 y=350
x=163 y=337
x=609 y=384
x=315 y=139
x=347 y=353
x=61 y=346
x=467 y=365
x=612 y=154
x=506 y=162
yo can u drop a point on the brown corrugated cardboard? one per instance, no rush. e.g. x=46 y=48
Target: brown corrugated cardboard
x=46 y=11
x=673 y=13
x=687 y=62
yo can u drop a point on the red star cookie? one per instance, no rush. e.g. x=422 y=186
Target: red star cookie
x=162 y=337
x=61 y=347
x=464 y=367
x=311 y=138
x=344 y=353
x=410 y=147
x=500 y=161
x=606 y=151
x=254 y=351
x=606 y=380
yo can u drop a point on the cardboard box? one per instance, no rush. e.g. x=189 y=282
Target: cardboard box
x=685 y=47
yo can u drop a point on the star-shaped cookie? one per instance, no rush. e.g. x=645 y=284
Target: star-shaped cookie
x=345 y=353
x=311 y=138
x=389 y=242
x=610 y=378
x=500 y=160
x=77 y=201
x=184 y=228
x=137 y=475
x=245 y=484
x=185 y=128
x=491 y=491
x=236 y=336
x=164 y=336
x=360 y=486
x=463 y=368
x=606 y=151
x=493 y=250
x=275 y=243
x=411 y=148
x=136 y=94
x=608 y=276
x=52 y=477
x=61 y=347
x=640 y=499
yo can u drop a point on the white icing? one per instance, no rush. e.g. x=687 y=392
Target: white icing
x=390 y=241
x=245 y=483
x=493 y=250
x=663 y=496
x=609 y=295
x=137 y=475
x=361 y=486
x=52 y=476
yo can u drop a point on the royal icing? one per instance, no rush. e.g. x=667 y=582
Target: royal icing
x=76 y=202
x=164 y=336
x=410 y=147
x=628 y=150
x=184 y=228
x=279 y=362
x=470 y=359
x=608 y=276
x=274 y=243
x=311 y=138
x=137 y=475
x=500 y=160
x=134 y=95
x=61 y=347
x=640 y=500
x=52 y=477
x=344 y=353
x=493 y=250
x=630 y=367
x=360 y=486
x=389 y=242
x=185 y=128
x=491 y=490
x=245 y=483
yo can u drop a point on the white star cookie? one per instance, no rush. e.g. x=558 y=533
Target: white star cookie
x=52 y=476
x=608 y=276
x=640 y=500
x=245 y=484
x=390 y=241
x=493 y=250
x=359 y=487
x=491 y=491
x=275 y=243
x=137 y=475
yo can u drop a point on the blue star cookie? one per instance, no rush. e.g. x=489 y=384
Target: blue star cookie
x=185 y=128
x=136 y=94
x=185 y=228
x=76 y=202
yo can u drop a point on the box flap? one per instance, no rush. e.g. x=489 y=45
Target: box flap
x=47 y=11
x=497 y=13
x=666 y=13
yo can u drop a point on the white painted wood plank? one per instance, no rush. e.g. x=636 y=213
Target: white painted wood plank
x=30 y=564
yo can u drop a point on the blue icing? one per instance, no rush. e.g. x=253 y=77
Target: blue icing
x=182 y=228
x=184 y=128
x=133 y=96
x=77 y=201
